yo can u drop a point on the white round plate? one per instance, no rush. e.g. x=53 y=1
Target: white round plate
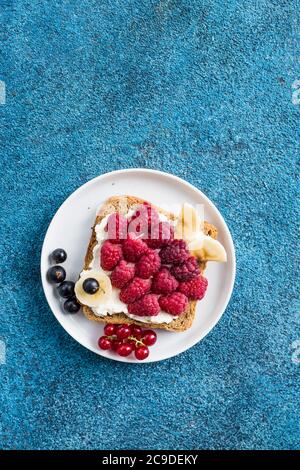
x=71 y=229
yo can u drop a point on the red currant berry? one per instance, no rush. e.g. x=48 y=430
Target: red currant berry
x=104 y=342
x=136 y=331
x=149 y=337
x=123 y=331
x=125 y=349
x=109 y=329
x=141 y=353
x=115 y=344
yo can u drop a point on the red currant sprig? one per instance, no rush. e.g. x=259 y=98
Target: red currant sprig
x=124 y=339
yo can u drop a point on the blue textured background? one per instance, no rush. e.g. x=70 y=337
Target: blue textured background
x=201 y=89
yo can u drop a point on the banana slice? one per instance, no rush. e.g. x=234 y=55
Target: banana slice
x=190 y=228
x=104 y=292
x=196 y=246
x=189 y=223
x=207 y=249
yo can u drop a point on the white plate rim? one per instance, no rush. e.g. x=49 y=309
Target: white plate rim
x=116 y=173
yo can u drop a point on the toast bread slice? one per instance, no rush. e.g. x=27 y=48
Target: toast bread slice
x=123 y=204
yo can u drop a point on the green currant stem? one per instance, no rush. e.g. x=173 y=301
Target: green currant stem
x=132 y=338
x=137 y=341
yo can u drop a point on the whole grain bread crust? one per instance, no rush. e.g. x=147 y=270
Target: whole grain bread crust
x=123 y=204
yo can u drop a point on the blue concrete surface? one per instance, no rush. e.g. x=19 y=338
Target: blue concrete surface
x=201 y=89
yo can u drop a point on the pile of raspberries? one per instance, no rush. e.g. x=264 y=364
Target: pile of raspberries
x=153 y=270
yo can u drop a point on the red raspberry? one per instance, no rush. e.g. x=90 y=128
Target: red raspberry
x=194 y=288
x=174 y=253
x=147 y=306
x=163 y=282
x=148 y=264
x=134 y=290
x=161 y=235
x=116 y=227
x=134 y=248
x=186 y=270
x=174 y=303
x=143 y=220
x=122 y=274
x=110 y=255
